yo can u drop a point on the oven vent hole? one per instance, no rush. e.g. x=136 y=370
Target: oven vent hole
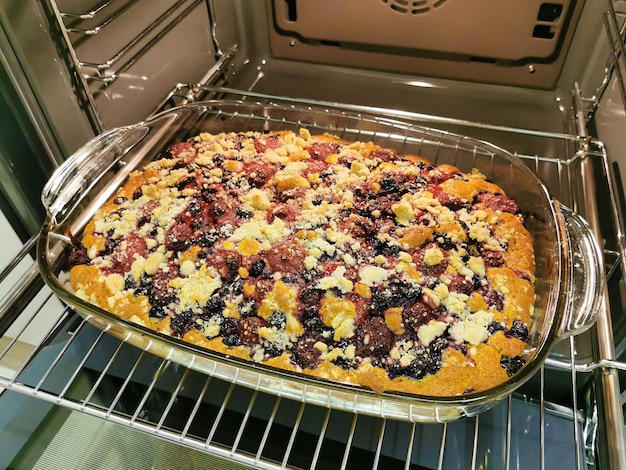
x=549 y=12
x=413 y=7
x=292 y=11
x=544 y=31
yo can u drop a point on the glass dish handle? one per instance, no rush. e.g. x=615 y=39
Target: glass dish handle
x=81 y=171
x=584 y=276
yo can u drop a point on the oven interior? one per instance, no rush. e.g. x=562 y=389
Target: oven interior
x=541 y=90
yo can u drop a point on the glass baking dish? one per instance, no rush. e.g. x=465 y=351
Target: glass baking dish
x=569 y=269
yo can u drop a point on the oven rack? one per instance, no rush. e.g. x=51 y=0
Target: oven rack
x=162 y=399
x=107 y=45
x=80 y=25
x=252 y=428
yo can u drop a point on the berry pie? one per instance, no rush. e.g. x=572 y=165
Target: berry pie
x=340 y=260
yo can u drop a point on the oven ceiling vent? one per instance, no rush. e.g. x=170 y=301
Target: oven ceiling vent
x=413 y=8
x=478 y=40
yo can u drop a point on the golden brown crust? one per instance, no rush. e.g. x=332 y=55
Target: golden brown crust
x=519 y=252
x=340 y=260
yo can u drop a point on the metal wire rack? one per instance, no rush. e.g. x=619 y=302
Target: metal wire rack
x=125 y=385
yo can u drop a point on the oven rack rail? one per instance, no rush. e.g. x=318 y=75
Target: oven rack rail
x=72 y=380
x=102 y=15
x=93 y=73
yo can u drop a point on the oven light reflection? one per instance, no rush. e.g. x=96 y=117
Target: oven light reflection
x=421 y=84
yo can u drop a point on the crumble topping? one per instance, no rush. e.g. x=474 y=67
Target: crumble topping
x=319 y=255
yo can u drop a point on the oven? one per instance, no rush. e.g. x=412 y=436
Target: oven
x=543 y=80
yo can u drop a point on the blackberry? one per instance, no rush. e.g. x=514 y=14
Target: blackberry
x=493 y=299
x=184 y=182
x=428 y=362
x=214 y=306
x=395 y=294
x=232 y=260
x=439 y=345
x=512 y=364
x=219 y=208
x=314 y=325
x=417 y=183
x=278 y=319
x=390 y=186
x=518 y=330
x=310 y=296
x=360 y=193
x=159 y=299
x=271 y=350
x=236 y=286
x=242 y=213
x=198 y=225
x=310 y=276
x=228 y=332
x=444 y=241
x=182 y=323
x=494 y=327
x=207 y=240
x=304 y=353
x=383 y=247
x=139 y=288
x=345 y=363
x=157 y=311
x=194 y=209
x=207 y=193
x=290 y=279
x=110 y=243
x=130 y=283
x=144 y=219
x=257 y=267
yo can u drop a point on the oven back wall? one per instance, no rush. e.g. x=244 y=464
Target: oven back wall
x=514 y=43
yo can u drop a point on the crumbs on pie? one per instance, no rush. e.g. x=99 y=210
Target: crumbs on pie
x=336 y=259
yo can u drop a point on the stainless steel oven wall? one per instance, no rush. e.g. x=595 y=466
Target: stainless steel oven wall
x=41 y=119
x=132 y=53
x=93 y=65
x=42 y=73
